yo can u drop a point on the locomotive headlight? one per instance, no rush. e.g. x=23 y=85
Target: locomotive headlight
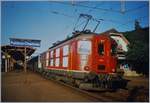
x=86 y=68
x=3 y=57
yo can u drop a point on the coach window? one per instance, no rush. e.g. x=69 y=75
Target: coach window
x=84 y=47
x=101 y=48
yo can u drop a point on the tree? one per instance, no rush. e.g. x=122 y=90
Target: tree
x=138 y=53
x=137 y=25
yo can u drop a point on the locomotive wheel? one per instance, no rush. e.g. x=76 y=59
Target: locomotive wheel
x=91 y=76
x=47 y=75
x=110 y=84
x=77 y=83
x=43 y=73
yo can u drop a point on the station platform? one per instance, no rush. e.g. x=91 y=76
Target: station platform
x=19 y=86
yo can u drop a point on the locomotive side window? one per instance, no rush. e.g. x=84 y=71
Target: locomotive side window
x=65 y=61
x=65 y=50
x=65 y=55
x=84 y=47
x=51 y=54
x=52 y=58
x=47 y=58
x=39 y=61
x=57 y=62
x=52 y=62
x=57 y=52
x=101 y=49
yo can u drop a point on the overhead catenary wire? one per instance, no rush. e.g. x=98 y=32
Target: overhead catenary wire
x=102 y=9
x=91 y=9
x=131 y=21
x=108 y=20
x=135 y=9
x=122 y=6
x=85 y=6
x=105 y=20
x=60 y=13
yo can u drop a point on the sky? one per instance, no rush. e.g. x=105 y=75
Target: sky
x=50 y=21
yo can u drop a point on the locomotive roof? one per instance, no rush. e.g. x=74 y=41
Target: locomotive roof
x=75 y=34
x=87 y=32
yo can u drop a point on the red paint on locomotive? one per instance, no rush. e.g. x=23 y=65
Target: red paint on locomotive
x=100 y=57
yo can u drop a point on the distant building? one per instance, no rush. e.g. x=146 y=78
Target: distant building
x=122 y=44
x=122 y=47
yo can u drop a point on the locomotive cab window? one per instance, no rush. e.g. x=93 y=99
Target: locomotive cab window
x=101 y=48
x=84 y=47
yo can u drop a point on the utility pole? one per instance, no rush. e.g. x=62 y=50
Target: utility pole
x=25 y=61
x=122 y=6
x=72 y=2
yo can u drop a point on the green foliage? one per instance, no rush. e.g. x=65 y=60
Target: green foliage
x=138 y=53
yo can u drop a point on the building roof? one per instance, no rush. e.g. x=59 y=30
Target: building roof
x=114 y=32
x=17 y=52
x=109 y=31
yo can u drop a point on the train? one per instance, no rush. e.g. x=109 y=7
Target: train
x=85 y=60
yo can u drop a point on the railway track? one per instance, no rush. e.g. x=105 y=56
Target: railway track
x=101 y=96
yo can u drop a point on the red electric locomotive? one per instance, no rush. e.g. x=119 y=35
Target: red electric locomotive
x=86 y=60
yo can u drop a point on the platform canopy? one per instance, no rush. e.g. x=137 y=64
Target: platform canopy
x=17 y=52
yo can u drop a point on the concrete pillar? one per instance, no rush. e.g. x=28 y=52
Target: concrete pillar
x=25 y=62
x=5 y=65
x=8 y=65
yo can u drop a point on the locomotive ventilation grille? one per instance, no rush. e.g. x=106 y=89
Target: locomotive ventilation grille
x=101 y=67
